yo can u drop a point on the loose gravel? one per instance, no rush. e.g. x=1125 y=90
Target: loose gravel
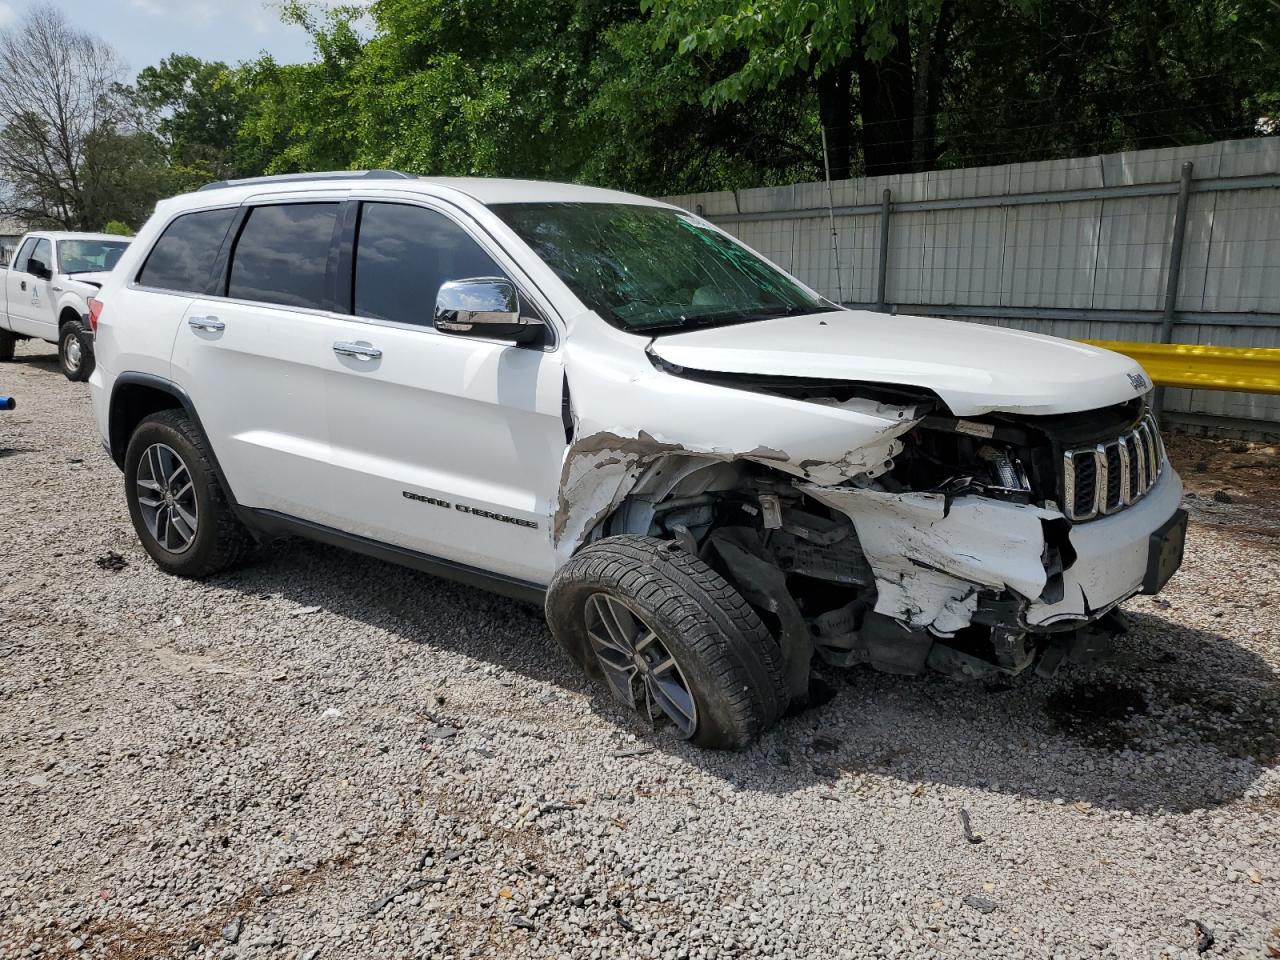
x=320 y=756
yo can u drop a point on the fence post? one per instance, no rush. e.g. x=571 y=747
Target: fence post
x=831 y=215
x=882 y=267
x=1175 y=270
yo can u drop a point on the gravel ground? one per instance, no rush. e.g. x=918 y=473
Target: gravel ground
x=320 y=756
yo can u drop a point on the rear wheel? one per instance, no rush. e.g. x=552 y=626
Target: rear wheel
x=670 y=638
x=7 y=342
x=178 y=508
x=75 y=351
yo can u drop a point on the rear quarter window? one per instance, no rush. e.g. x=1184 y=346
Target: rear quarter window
x=183 y=257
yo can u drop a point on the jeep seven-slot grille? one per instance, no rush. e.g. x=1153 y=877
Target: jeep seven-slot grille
x=1109 y=476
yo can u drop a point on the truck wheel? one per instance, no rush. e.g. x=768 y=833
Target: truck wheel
x=178 y=508
x=75 y=351
x=670 y=638
x=7 y=342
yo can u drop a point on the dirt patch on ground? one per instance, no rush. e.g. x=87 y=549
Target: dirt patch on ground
x=1241 y=472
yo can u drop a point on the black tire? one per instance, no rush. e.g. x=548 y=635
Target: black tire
x=7 y=342
x=75 y=351
x=732 y=665
x=219 y=540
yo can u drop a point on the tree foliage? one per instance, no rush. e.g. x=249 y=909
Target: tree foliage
x=655 y=96
x=73 y=152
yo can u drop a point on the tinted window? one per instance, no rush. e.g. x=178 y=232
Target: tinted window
x=403 y=254
x=281 y=254
x=184 y=254
x=44 y=253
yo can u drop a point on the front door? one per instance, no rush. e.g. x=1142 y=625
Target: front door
x=446 y=445
x=30 y=303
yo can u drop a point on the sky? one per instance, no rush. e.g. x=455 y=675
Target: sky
x=145 y=31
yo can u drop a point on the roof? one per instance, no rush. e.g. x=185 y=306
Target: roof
x=491 y=190
x=485 y=190
x=73 y=235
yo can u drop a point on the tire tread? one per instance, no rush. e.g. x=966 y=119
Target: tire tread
x=710 y=616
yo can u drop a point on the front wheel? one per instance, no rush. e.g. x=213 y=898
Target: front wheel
x=670 y=638
x=75 y=351
x=7 y=342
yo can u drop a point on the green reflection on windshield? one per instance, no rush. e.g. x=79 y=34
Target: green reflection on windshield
x=651 y=268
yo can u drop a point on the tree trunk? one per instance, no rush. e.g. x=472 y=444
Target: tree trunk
x=886 y=100
x=931 y=59
x=835 y=112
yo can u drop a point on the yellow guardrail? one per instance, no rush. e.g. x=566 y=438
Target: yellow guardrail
x=1246 y=369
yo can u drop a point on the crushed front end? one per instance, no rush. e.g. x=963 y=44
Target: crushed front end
x=992 y=544
x=988 y=545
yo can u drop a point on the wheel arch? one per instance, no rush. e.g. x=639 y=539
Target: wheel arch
x=69 y=314
x=135 y=396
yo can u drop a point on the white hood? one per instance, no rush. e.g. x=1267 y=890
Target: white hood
x=93 y=279
x=974 y=368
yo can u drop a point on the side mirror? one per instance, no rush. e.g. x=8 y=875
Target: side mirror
x=37 y=268
x=484 y=307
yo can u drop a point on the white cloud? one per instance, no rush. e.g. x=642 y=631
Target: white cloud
x=7 y=14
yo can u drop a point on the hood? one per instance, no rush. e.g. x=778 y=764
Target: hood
x=92 y=279
x=974 y=368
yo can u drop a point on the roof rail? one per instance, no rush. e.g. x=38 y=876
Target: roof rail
x=310 y=177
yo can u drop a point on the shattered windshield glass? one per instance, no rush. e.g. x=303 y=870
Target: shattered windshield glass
x=655 y=270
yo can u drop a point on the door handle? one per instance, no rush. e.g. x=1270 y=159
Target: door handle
x=207 y=324
x=22 y=284
x=357 y=350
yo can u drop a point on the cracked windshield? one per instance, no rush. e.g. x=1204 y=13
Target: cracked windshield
x=654 y=270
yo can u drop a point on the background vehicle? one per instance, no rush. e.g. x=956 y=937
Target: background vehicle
x=45 y=292
x=712 y=477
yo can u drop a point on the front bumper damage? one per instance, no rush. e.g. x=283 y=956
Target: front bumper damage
x=945 y=566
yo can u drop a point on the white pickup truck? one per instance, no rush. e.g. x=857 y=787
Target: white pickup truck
x=45 y=289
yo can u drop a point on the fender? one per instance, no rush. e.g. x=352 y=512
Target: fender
x=118 y=442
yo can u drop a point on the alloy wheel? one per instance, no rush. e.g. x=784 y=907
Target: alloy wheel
x=167 y=498
x=636 y=663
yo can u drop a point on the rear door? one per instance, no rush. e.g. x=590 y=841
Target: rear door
x=443 y=444
x=254 y=356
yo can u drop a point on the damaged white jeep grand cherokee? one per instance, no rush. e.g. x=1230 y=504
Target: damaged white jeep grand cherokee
x=714 y=478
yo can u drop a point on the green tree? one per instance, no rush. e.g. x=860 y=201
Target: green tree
x=196 y=109
x=847 y=50
x=919 y=83
x=561 y=89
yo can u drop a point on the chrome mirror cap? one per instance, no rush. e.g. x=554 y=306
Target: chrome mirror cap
x=484 y=307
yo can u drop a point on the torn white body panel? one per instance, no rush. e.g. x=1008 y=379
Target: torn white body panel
x=930 y=561
x=1111 y=555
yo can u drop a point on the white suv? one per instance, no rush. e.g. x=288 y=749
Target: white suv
x=712 y=477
